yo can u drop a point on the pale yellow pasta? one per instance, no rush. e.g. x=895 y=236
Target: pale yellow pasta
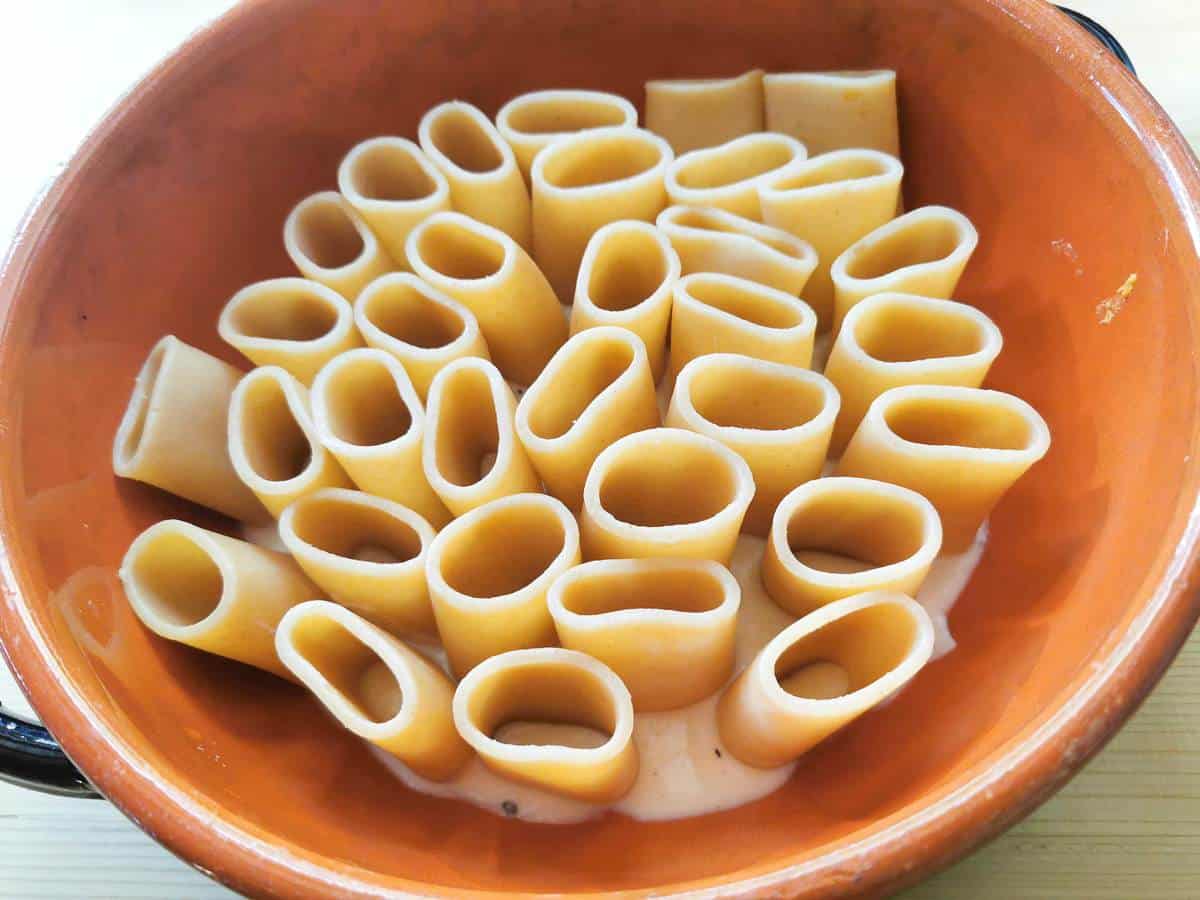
x=329 y=242
x=365 y=552
x=212 y=592
x=471 y=454
x=921 y=252
x=596 y=389
x=554 y=687
x=777 y=417
x=367 y=414
x=703 y=112
x=394 y=187
x=626 y=277
x=835 y=110
x=727 y=176
x=836 y=537
x=531 y=121
x=489 y=571
x=175 y=431
x=488 y=272
x=820 y=674
x=889 y=340
x=712 y=240
x=831 y=201
x=273 y=443
x=665 y=492
x=422 y=327
x=374 y=685
x=665 y=626
x=961 y=447
x=296 y=324
x=581 y=183
x=715 y=313
x=480 y=168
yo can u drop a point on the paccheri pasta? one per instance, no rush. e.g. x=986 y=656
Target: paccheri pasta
x=615 y=467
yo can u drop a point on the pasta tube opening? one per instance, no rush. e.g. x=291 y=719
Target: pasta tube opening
x=460 y=135
x=531 y=121
x=727 y=176
x=459 y=252
x=703 y=112
x=834 y=537
x=178 y=583
x=554 y=687
x=330 y=243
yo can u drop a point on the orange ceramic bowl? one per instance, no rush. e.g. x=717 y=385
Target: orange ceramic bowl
x=1009 y=112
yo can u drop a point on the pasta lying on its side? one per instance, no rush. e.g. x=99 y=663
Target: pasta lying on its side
x=424 y=328
x=366 y=553
x=394 y=186
x=961 y=447
x=367 y=414
x=665 y=626
x=625 y=279
x=471 y=454
x=329 y=242
x=713 y=240
x=597 y=388
x=273 y=443
x=835 y=110
x=521 y=709
x=836 y=537
x=531 y=121
x=175 y=431
x=821 y=673
x=581 y=183
x=703 y=112
x=212 y=592
x=296 y=324
x=665 y=492
x=378 y=688
x=489 y=571
x=727 y=176
x=480 y=168
x=776 y=417
x=487 y=271
x=889 y=340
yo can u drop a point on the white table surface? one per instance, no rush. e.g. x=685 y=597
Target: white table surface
x=1127 y=827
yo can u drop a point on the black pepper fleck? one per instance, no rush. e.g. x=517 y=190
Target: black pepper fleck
x=83 y=316
x=510 y=808
x=717 y=750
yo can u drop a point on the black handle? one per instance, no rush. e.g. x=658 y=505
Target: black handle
x=31 y=758
x=1103 y=35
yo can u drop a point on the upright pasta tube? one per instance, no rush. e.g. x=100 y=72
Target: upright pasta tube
x=712 y=240
x=727 y=177
x=329 y=242
x=716 y=313
x=531 y=121
x=489 y=571
x=394 y=187
x=778 y=418
x=704 y=112
x=273 y=443
x=921 y=252
x=665 y=492
x=422 y=327
x=293 y=323
x=212 y=592
x=487 y=271
x=831 y=201
x=625 y=279
x=551 y=687
x=583 y=182
x=175 y=431
x=480 y=168
x=889 y=340
x=471 y=454
x=835 y=537
x=378 y=688
x=835 y=110
x=960 y=447
x=366 y=553
x=596 y=389
x=368 y=415
x=665 y=626
x=820 y=674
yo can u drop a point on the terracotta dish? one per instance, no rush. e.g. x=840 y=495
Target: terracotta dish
x=1010 y=112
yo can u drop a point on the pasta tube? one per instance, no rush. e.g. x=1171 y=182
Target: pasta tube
x=703 y=112
x=531 y=121
x=834 y=110
x=329 y=243
x=727 y=176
